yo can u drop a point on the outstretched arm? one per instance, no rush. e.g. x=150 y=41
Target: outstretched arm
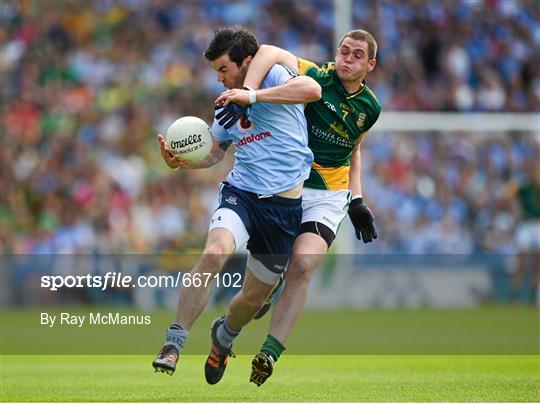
x=217 y=152
x=360 y=215
x=266 y=57
x=355 y=180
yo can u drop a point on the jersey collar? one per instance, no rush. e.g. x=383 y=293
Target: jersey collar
x=344 y=91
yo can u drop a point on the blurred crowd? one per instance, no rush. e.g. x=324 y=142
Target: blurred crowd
x=86 y=85
x=478 y=55
x=447 y=192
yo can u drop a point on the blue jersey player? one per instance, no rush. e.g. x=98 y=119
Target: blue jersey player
x=260 y=203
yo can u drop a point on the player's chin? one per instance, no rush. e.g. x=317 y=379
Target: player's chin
x=231 y=86
x=344 y=73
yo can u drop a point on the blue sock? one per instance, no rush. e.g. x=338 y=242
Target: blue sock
x=176 y=336
x=225 y=334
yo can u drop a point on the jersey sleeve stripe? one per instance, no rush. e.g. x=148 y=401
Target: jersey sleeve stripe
x=305 y=65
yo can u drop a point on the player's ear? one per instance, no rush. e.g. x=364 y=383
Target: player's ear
x=247 y=60
x=371 y=64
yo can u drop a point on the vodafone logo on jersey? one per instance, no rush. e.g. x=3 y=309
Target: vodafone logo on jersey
x=253 y=138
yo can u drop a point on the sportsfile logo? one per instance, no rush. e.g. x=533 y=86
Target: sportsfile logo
x=253 y=138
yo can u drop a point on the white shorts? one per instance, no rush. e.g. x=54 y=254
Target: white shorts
x=528 y=236
x=224 y=218
x=326 y=207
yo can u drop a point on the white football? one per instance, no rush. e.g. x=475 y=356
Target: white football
x=189 y=138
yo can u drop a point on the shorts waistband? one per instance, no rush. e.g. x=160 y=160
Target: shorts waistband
x=268 y=198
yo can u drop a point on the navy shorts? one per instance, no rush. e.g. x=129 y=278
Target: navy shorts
x=272 y=223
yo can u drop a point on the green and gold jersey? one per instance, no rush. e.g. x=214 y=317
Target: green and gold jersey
x=335 y=124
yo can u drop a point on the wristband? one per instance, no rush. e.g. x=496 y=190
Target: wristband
x=252 y=95
x=357 y=196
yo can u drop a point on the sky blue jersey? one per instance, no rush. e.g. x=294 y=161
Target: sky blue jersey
x=272 y=153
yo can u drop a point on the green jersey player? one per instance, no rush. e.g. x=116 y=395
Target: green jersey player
x=337 y=123
x=527 y=193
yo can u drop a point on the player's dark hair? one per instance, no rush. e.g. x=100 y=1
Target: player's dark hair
x=362 y=35
x=237 y=42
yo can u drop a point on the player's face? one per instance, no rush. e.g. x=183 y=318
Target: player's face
x=228 y=73
x=352 y=61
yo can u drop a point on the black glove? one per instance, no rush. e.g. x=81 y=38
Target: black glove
x=362 y=220
x=232 y=113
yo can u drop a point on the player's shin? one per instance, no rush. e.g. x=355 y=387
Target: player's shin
x=248 y=301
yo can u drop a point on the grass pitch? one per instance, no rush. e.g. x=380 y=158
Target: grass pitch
x=297 y=378
x=478 y=331
x=485 y=354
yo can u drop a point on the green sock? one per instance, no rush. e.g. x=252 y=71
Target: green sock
x=272 y=347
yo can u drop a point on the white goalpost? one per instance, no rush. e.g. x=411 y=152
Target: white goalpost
x=458 y=121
